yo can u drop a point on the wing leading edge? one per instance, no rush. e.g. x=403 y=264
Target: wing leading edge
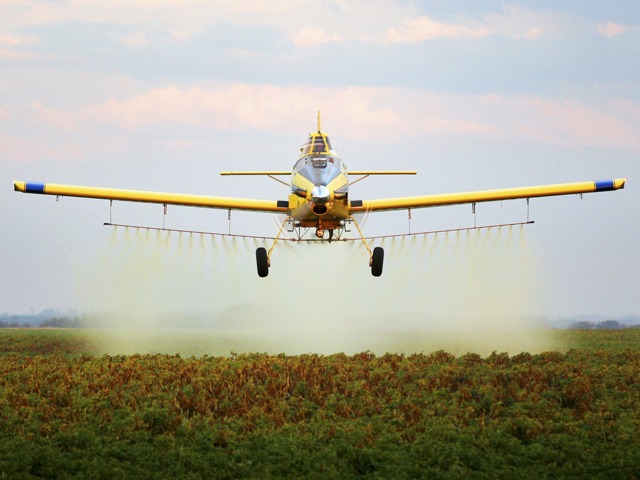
x=282 y=206
x=153 y=197
x=401 y=203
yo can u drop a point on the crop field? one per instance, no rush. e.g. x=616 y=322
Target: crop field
x=69 y=411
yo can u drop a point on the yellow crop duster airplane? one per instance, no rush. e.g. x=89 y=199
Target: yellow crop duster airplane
x=319 y=197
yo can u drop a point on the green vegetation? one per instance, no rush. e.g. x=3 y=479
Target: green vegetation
x=69 y=414
x=27 y=341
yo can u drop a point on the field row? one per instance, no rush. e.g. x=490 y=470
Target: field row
x=573 y=414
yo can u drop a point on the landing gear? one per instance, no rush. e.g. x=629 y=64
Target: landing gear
x=262 y=259
x=376 y=257
x=376 y=261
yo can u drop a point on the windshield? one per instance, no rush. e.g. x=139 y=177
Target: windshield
x=317 y=143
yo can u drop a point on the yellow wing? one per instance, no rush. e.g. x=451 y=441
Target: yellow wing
x=401 y=203
x=277 y=206
x=382 y=172
x=351 y=172
x=259 y=172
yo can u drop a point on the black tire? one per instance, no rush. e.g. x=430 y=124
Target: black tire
x=263 y=262
x=376 y=261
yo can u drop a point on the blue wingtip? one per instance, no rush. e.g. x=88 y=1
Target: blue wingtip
x=604 y=185
x=34 y=187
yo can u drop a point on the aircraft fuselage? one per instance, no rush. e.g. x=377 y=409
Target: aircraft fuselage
x=319 y=186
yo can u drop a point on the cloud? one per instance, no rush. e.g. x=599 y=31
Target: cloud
x=423 y=28
x=11 y=40
x=18 y=148
x=360 y=113
x=244 y=106
x=567 y=122
x=11 y=55
x=436 y=125
x=314 y=37
x=367 y=112
x=10 y=47
x=611 y=29
x=135 y=39
x=534 y=33
x=54 y=118
x=517 y=22
x=513 y=22
x=188 y=17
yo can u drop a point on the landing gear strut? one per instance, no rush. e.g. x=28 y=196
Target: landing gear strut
x=263 y=258
x=376 y=258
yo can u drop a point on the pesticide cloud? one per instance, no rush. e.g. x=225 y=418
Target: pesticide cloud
x=195 y=294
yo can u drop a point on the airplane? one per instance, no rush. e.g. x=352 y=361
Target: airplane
x=319 y=197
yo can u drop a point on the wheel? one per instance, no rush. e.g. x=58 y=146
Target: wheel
x=263 y=262
x=376 y=261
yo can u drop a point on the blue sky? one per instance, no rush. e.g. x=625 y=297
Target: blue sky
x=162 y=95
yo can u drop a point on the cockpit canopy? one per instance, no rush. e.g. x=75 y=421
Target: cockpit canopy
x=318 y=143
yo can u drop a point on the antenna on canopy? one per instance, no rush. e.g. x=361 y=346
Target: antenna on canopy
x=319 y=131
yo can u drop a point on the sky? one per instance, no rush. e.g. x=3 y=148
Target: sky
x=164 y=94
